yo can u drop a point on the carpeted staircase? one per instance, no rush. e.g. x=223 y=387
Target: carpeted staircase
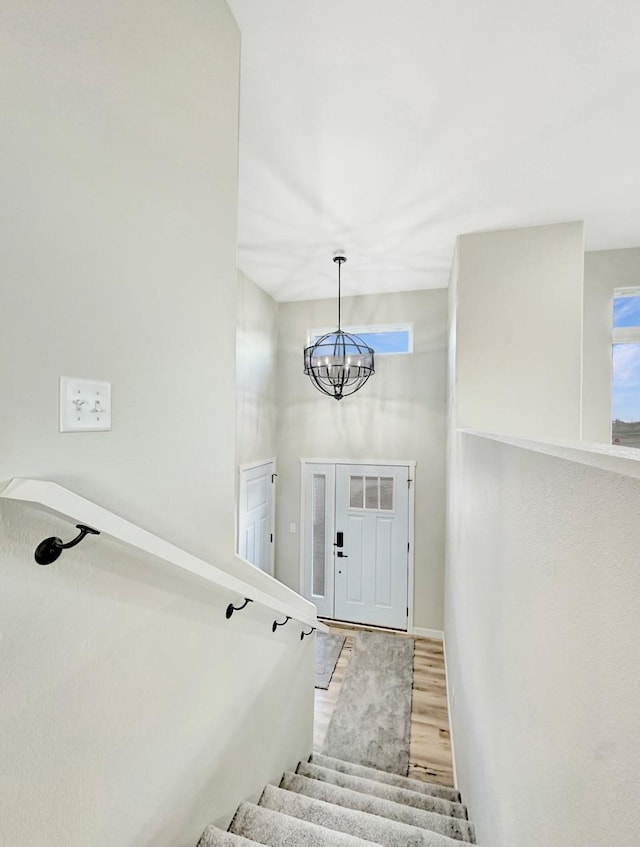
x=339 y=804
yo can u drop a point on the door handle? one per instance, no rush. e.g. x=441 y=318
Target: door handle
x=339 y=542
x=342 y=555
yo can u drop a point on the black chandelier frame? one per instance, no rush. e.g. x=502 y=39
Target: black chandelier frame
x=339 y=363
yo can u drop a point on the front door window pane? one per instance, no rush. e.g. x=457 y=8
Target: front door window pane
x=371 y=492
x=356 y=492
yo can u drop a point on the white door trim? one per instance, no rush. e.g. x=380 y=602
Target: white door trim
x=396 y=463
x=411 y=464
x=249 y=466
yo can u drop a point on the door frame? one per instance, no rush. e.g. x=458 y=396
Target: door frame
x=396 y=463
x=250 y=466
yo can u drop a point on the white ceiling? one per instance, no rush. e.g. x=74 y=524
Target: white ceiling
x=386 y=129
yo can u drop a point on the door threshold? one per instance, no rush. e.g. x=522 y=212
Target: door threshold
x=364 y=627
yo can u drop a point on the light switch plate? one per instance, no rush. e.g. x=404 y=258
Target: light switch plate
x=85 y=405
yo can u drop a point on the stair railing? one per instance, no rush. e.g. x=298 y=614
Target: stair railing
x=92 y=519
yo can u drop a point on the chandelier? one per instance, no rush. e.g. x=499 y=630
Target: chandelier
x=338 y=363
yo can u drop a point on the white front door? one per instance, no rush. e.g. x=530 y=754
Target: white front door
x=255 y=515
x=356 y=554
x=371 y=566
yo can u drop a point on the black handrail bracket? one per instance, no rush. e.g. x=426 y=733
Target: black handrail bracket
x=50 y=549
x=231 y=608
x=275 y=624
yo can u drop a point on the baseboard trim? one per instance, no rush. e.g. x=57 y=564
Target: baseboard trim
x=451 y=741
x=436 y=634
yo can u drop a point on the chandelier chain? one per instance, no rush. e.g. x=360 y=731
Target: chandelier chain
x=339 y=296
x=339 y=261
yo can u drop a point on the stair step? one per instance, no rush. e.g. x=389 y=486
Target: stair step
x=431 y=788
x=214 y=837
x=266 y=826
x=461 y=830
x=351 y=821
x=426 y=802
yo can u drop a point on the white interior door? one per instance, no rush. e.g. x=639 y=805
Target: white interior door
x=356 y=542
x=255 y=515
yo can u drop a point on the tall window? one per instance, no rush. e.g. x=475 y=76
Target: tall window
x=625 y=382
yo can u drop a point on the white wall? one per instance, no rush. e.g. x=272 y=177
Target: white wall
x=119 y=227
x=542 y=591
x=399 y=414
x=604 y=271
x=131 y=711
x=543 y=603
x=256 y=351
x=519 y=331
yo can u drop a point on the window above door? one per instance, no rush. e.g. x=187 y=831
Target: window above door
x=384 y=339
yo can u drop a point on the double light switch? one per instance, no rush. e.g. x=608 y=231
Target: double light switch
x=85 y=405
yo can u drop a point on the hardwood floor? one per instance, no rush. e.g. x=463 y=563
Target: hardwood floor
x=430 y=748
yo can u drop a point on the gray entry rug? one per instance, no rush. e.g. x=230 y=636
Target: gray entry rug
x=328 y=649
x=371 y=722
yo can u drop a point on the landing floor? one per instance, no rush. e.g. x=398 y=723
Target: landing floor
x=430 y=750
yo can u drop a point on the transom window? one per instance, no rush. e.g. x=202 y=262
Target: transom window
x=625 y=371
x=384 y=339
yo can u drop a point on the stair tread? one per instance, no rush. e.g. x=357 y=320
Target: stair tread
x=269 y=827
x=384 y=790
x=214 y=837
x=431 y=788
x=365 y=826
x=328 y=792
